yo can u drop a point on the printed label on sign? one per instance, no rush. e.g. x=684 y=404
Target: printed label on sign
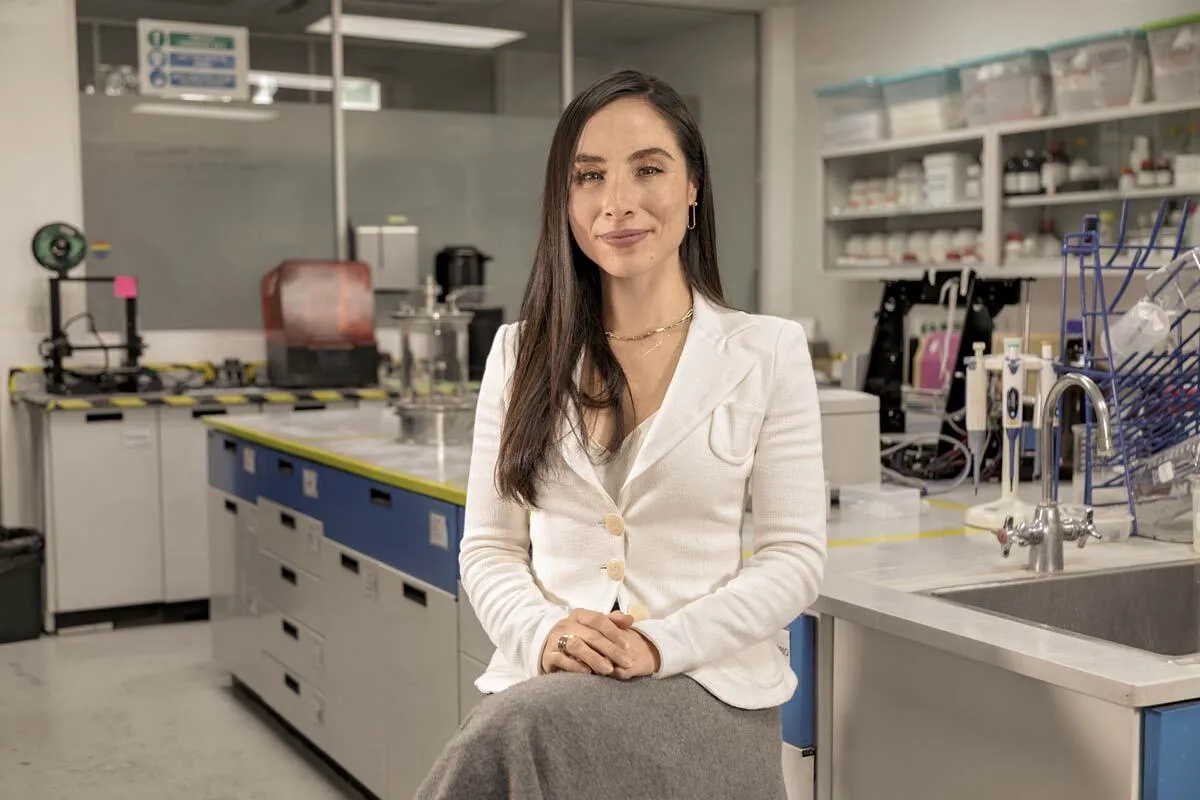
x=248 y=461
x=370 y=581
x=783 y=640
x=439 y=531
x=138 y=436
x=310 y=483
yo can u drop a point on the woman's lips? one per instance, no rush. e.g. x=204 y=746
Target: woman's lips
x=624 y=238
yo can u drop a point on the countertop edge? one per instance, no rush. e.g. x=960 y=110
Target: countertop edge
x=354 y=466
x=838 y=599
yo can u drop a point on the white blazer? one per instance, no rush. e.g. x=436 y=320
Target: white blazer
x=741 y=405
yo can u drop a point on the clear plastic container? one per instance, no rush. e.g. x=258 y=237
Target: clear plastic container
x=1170 y=291
x=853 y=112
x=1175 y=58
x=1111 y=70
x=924 y=102
x=1006 y=87
x=879 y=500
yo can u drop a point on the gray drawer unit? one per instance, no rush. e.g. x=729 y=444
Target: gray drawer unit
x=357 y=669
x=294 y=537
x=292 y=591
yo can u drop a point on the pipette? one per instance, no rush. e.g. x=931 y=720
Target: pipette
x=1012 y=384
x=977 y=384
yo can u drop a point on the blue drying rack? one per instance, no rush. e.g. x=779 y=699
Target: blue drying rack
x=1154 y=398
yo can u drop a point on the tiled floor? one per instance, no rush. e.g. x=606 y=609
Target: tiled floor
x=142 y=714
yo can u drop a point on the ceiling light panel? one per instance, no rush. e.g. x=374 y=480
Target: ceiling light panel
x=413 y=31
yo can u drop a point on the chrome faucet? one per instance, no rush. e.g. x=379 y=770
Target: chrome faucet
x=1045 y=533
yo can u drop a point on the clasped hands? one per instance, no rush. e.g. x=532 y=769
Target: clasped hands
x=601 y=644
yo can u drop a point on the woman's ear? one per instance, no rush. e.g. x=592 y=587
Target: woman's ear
x=693 y=191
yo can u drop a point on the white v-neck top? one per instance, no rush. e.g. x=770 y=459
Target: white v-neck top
x=612 y=473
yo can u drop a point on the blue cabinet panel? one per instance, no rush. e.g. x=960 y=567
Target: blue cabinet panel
x=409 y=532
x=281 y=479
x=227 y=466
x=799 y=713
x=1171 y=752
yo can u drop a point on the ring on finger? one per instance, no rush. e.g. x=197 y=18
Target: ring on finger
x=563 y=641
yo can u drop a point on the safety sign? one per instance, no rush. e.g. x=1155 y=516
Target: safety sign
x=190 y=61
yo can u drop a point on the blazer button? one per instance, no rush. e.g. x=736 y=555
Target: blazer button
x=615 y=569
x=614 y=524
x=638 y=612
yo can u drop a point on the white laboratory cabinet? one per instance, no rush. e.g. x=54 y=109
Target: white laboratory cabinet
x=185 y=502
x=104 y=540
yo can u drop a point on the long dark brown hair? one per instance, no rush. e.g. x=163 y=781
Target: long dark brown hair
x=561 y=311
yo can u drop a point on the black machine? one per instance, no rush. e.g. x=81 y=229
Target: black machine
x=983 y=301
x=464 y=265
x=60 y=248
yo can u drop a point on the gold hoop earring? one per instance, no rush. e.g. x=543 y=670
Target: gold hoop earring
x=692 y=217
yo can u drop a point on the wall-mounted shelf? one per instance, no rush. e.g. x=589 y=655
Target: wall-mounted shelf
x=1096 y=198
x=1108 y=133
x=912 y=211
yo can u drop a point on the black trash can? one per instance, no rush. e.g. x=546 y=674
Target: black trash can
x=21 y=558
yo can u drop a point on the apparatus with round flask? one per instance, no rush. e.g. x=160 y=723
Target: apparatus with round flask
x=436 y=399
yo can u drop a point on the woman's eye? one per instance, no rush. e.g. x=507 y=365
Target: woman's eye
x=649 y=170
x=587 y=177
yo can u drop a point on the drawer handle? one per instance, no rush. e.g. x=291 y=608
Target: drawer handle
x=381 y=498
x=287 y=520
x=291 y=683
x=105 y=416
x=231 y=506
x=350 y=563
x=290 y=630
x=231 y=445
x=416 y=595
x=288 y=575
x=286 y=467
x=311 y=406
x=209 y=412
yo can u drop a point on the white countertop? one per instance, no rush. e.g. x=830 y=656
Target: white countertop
x=878 y=569
x=879 y=581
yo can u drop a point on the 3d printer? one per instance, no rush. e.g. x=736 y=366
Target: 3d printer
x=60 y=248
x=319 y=318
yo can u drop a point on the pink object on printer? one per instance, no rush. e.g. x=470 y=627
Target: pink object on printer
x=125 y=287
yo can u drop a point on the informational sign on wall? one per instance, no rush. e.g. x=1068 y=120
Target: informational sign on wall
x=184 y=60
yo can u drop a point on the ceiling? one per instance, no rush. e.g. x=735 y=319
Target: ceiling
x=598 y=23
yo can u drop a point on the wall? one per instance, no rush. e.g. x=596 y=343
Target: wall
x=39 y=183
x=842 y=40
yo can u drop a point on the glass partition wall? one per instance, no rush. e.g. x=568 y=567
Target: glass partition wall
x=444 y=123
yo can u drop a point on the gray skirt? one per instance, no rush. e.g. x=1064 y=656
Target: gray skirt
x=583 y=737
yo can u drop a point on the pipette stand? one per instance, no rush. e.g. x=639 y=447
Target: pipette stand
x=1013 y=367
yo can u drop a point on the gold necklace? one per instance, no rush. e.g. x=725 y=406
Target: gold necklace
x=653 y=332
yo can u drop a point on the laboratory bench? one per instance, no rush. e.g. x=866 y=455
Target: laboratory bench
x=117 y=482
x=336 y=601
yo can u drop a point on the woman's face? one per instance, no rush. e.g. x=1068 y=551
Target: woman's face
x=630 y=190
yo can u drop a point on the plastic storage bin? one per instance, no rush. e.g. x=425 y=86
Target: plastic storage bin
x=853 y=112
x=924 y=102
x=20 y=584
x=1006 y=87
x=1175 y=58
x=879 y=501
x=1097 y=72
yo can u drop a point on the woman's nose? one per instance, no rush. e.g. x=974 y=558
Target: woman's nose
x=619 y=198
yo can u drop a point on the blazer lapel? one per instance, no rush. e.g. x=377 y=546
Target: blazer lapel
x=706 y=373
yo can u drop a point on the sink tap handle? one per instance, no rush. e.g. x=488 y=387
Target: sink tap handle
x=1086 y=530
x=1007 y=534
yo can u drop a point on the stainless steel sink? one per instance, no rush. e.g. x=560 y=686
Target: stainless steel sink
x=1155 y=609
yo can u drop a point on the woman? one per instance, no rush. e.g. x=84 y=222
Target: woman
x=619 y=426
